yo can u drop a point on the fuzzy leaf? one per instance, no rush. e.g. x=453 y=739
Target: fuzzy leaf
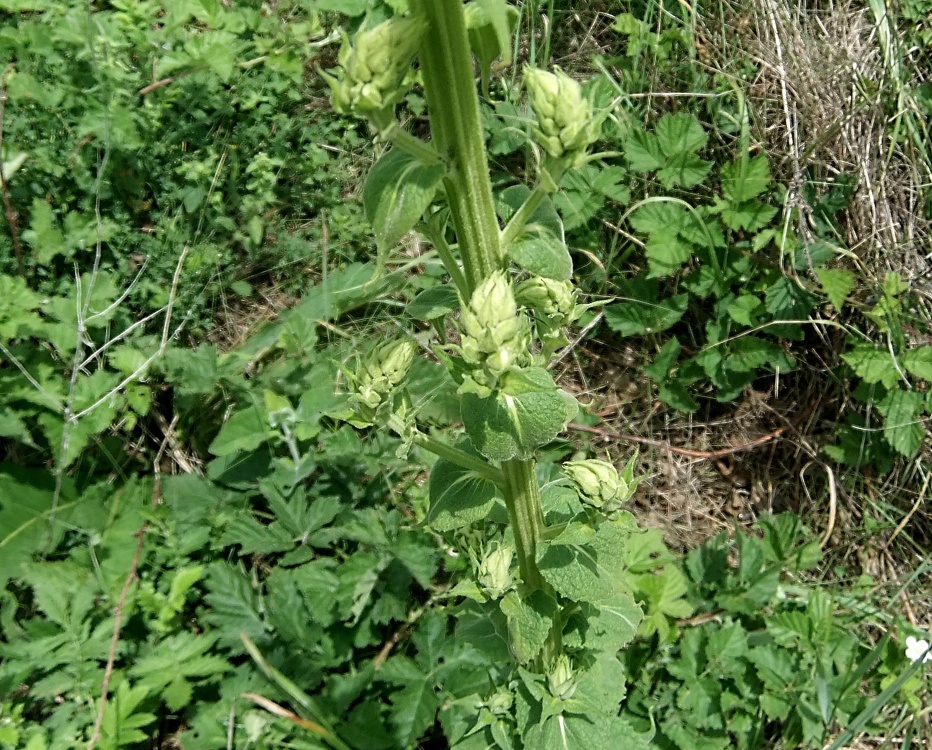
x=458 y=497
x=684 y=170
x=528 y=412
x=584 y=731
x=245 y=430
x=529 y=622
x=542 y=253
x=434 y=302
x=666 y=253
x=614 y=623
x=660 y=216
x=745 y=178
x=642 y=150
x=680 y=133
x=398 y=190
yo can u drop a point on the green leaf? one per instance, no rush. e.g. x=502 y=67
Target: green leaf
x=674 y=393
x=529 y=411
x=18 y=304
x=614 y=623
x=919 y=362
x=873 y=365
x=434 y=302
x=589 y=731
x=637 y=317
x=542 y=253
x=902 y=427
x=458 y=496
x=44 y=235
x=415 y=705
x=787 y=300
x=642 y=151
x=744 y=310
x=685 y=170
x=398 y=190
x=680 y=133
x=574 y=572
x=660 y=216
x=666 y=253
x=529 y=623
x=664 y=362
x=745 y=178
x=234 y=606
x=245 y=430
x=352 y=8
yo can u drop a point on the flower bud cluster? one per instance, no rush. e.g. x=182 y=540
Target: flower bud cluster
x=554 y=300
x=495 y=575
x=599 y=484
x=560 y=680
x=566 y=126
x=374 y=66
x=378 y=378
x=494 y=335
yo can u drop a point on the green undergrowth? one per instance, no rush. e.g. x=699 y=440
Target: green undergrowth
x=196 y=528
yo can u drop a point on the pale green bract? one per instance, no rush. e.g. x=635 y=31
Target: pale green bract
x=566 y=125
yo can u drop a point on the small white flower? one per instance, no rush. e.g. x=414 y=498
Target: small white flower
x=917 y=649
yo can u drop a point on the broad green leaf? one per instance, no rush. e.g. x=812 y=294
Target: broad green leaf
x=508 y=201
x=398 y=190
x=680 y=133
x=745 y=178
x=664 y=362
x=674 y=393
x=490 y=24
x=18 y=304
x=574 y=572
x=902 y=427
x=434 y=302
x=415 y=705
x=787 y=300
x=458 y=496
x=542 y=253
x=666 y=253
x=637 y=317
x=529 y=411
x=660 y=216
x=613 y=623
x=873 y=365
x=744 y=310
x=837 y=284
x=919 y=362
x=44 y=235
x=684 y=170
x=233 y=606
x=589 y=731
x=529 y=622
x=352 y=8
x=642 y=151
x=245 y=430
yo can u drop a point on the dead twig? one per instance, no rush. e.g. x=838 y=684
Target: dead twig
x=664 y=445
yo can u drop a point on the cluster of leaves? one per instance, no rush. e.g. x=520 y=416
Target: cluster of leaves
x=780 y=659
x=137 y=129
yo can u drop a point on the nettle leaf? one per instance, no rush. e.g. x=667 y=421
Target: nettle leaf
x=751 y=215
x=873 y=365
x=637 y=317
x=434 y=302
x=837 y=284
x=660 y=216
x=529 y=622
x=745 y=178
x=787 y=300
x=458 y=496
x=18 y=304
x=680 y=133
x=686 y=170
x=245 y=430
x=398 y=190
x=642 y=151
x=542 y=253
x=919 y=362
x=583 y=192
x=529 y=411
x=666 y=253
x=744 y=310
x=902 y=427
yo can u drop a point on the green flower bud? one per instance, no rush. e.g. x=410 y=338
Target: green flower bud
x=493 y=333
x=597 y=482
x=500 y=702
x=495 y=574
x=565 y=122
x=374 y=66
x=556 y=300
x=560 y=679
x=379 y=376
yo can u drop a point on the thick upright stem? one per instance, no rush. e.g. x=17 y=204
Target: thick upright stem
x=446 y=65
x=453 y=104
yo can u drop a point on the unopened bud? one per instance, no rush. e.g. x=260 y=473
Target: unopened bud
x=556 y=300
x=495 y=574
x=374 y=66
x=560 y=680
x=493 y=331
x=380 y=375
x=565 y=122
x=597 y=482
x=500 y=702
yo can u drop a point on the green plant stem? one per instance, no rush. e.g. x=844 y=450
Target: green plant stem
x=460 y=458
x=522 y=498
x=453 y=104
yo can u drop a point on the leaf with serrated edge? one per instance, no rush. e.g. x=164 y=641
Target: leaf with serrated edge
x=902 y=429
x=458 y=496
x=918 y=362
x=529 y=623
x=872 y=365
